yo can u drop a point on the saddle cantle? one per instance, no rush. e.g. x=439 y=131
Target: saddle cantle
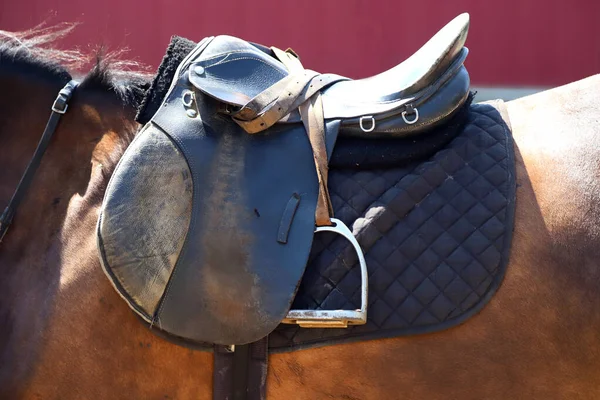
x=208 y=220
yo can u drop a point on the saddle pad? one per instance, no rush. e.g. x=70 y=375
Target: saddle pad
x=436 y=236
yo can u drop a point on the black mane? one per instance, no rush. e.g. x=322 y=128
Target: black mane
x=30 y=52
x=107 y=75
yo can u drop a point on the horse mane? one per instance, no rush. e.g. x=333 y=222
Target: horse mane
x=32 y=51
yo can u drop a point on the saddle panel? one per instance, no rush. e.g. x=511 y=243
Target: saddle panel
x=144 y=219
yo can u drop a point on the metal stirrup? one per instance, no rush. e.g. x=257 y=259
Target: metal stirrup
x=336 y=318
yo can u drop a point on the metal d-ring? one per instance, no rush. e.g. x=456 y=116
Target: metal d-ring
x=414 y=111
x=187 y=98
x=336 y=318
x=362 y=126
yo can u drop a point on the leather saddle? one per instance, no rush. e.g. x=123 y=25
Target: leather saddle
x=208 y=220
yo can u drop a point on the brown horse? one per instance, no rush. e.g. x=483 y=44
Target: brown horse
x=66 y=334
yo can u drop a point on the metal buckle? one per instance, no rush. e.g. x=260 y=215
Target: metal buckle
x=336 y=318
x=63 y=97
x=56 y=102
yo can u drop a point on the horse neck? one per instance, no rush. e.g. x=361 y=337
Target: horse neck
x=54 y=225
x=90 y=137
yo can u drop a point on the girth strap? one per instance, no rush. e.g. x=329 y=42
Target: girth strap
x=59 y=107
x=241 y=374
x=299 y=90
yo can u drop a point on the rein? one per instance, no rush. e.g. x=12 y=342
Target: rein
x=59 y=107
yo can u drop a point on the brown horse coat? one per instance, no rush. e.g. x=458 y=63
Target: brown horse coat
x=66 y=334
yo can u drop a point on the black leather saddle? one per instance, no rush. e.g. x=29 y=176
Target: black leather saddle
x=208 y=220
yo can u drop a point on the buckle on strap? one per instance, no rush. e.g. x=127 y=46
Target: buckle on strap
x=61 y=105
x=336 y=318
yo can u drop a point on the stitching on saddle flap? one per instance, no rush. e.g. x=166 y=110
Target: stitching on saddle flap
x=224 y=54
x=113 y=279
x=229 y=60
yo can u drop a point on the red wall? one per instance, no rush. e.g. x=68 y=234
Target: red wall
x=513 y=42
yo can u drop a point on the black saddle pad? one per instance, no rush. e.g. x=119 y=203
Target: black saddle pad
x=433 y=215
x=436 y=236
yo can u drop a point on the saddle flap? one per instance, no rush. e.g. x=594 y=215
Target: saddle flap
x=234 y=71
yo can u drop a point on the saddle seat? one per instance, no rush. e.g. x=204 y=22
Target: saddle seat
x=402 y=83
x=235 y=71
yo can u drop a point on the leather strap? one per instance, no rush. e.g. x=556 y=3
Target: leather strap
x=299 y=90
x=241 y=374
x=59 y=107
x=314 y=123
x=271 y=105
x=313 y=119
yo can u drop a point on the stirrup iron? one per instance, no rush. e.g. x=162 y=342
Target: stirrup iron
x=336 y=318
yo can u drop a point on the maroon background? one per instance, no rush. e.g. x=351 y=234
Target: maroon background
x=512 y=42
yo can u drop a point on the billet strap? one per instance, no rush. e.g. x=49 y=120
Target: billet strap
x=59 y=107
x=241 y=374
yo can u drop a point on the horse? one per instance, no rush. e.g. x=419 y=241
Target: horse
x=66 y=334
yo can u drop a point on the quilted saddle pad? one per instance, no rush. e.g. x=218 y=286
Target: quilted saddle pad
x=434 y=217
x=436 y=236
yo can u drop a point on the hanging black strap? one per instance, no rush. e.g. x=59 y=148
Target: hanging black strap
x=59 y=107
x=241 y=374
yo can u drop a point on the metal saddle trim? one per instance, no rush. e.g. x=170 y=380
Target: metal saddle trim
x=336 y=318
